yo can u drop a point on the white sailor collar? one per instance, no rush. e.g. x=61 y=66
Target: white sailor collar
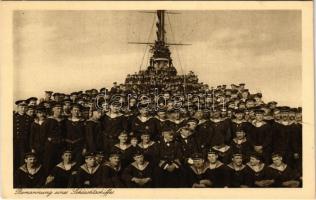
x=262 y=165
x=281 y=169
x=24 y=169
x=62 y=166
x=140 y=168
x=230 y=165
x=217 y=165
x=85 y=168
x=141 y=145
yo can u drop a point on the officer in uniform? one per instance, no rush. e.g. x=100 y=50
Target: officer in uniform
x=169 y=171
x=21 y=133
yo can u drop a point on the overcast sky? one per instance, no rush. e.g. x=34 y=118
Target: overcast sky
x=68 y=51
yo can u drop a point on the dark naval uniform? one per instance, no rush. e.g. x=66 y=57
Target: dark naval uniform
x=194 y=176
x=126 y=155
x=221 y=133
x=236 y=177
x=53 y=133
x=217 y=175
x=281 y=175
x=88 y=179
x=168 y=153
x=134 y=171
x=243 y=146
x=149 y=126
x=111 y=176
x=111 y=127
x=75 y=138
x=149 y=151
x=261 y=136
x=93 y=136
x=61 y=175
x=24 y=179
x=257 y=177
x=36 y=138
x=203 y=132
x=21 y=134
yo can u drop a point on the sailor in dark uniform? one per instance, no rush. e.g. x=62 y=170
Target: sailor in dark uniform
x=144 y=122
x=176 y=119
x=89 y=174
x=216 y=172
x=241 y=144
x=148 y=147
x=53 y=133
x=61 y=174
x=281 y=173
x=125 y=148
x=260 y=136
x=139 y=174
x=257 y=172
x=161 y=121
x=203 y=131
x=169 y=171
x=113 y=122
x=283 y=136
x=112 y=171
x=36 y=137
x=21 y=133
x=221 y=136
x=30 y=174
x=75 y=134
x=93 y=132
x=196 y=173
x=239 y=122
x=187 y=143
x=236 y=172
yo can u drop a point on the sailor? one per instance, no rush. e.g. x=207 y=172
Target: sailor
x=30 y=174
x=89 y=174
x=283 y=136
x=161 y=120
x=113 y=122
x=21 y=133
x=75 y=133
x=282 y=174
x=187 y=143
x=53 y=133
x=239 y=122
x=148 y=147
x=61 y=174
x=217 y=171
x=125 y=148
x=169 y=171
x=203 y=130
x=93 y=132
x=241 y=144
x=297 y=136
x=236 y=173
x=112 y=171
x=144 y=122
x=260 y=136
x=257 y=172
x=221 y=130
x=36 y=137
x=176 y=119
x=196 y=173
x=139 y=174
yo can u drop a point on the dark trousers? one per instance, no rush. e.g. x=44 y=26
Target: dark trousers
x=165 y=179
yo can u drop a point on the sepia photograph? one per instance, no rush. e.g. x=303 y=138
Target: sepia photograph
x=160 y=98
